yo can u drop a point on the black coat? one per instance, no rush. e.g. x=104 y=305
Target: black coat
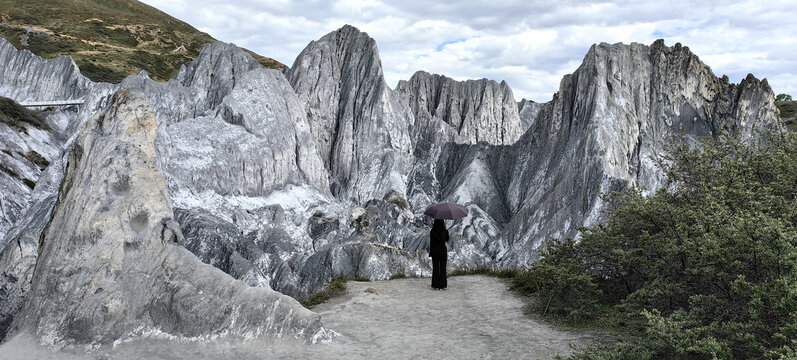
x=437 y=242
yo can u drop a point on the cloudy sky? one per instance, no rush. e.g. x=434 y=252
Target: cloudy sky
x=529 y=43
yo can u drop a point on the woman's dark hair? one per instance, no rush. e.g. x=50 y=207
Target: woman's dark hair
x=439 y=224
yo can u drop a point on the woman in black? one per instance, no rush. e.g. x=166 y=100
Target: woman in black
x=438 y=238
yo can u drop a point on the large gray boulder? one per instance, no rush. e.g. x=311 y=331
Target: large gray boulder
x=111 y=266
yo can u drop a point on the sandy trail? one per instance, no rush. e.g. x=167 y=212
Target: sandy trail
x=475 y=318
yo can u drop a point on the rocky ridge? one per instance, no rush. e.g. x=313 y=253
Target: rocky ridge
x=102 y=277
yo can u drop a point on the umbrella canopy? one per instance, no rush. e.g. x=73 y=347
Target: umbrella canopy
x=446 y=210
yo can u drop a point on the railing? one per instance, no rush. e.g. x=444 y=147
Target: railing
x=70 y=102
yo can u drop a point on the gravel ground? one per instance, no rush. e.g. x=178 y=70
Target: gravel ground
x=475 y=318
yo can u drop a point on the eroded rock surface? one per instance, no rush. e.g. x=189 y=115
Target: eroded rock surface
x=111 y=265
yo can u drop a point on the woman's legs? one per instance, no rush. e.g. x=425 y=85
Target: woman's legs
x=439 y=272
x=443 y=274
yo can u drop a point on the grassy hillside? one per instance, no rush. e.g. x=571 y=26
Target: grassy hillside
x=788 y=112
x=109 y=39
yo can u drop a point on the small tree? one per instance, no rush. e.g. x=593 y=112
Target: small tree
x=783 y=97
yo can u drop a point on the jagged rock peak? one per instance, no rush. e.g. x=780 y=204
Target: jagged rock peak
x=356 y=121
x=111 y=266
x=56 y=79
x=608 y=121
x=528 y=111
x=478 y=110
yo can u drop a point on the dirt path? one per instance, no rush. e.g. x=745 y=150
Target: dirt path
x=475 y=318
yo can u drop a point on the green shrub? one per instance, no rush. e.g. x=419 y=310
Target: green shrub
x=400 y=275
x=705 y=270
x=485 y=270
x=336 y=288
x=14 y=115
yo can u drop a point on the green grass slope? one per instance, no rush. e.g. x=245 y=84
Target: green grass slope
x=109 y=39
x=788 y=113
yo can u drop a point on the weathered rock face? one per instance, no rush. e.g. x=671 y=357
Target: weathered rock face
x=59 y=79
x=609 y=118
x=111 y=265
x=28 y=143
x=362 y=130
x=528 y=111
x=477 y=110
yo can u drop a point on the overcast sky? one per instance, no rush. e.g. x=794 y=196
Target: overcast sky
x=531 y=44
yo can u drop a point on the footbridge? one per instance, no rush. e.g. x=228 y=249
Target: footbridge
x=53 y=103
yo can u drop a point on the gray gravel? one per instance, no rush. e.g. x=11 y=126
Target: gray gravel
x=475 y=318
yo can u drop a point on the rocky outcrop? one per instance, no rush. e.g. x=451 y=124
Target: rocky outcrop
x=27 y=77
x=28 y=143
x=528 y=111
x=603 y=128
x=111 y=265
x=361 y=129
x=476 y=110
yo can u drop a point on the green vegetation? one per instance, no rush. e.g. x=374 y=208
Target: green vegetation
x=15 y=115
x=36 y=158
x=783 y=97
x=109 y=39
x=788 y=112
x=706 y=270
x=485 y=270
x=335 y=288
x=403 y=275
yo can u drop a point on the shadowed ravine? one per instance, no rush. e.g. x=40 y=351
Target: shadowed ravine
x=476 y=318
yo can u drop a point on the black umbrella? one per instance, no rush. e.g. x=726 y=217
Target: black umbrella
x=446 y=210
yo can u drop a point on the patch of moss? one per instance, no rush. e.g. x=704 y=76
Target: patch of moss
x=29 y=183
x=335 y=289
x=9 y=172
x=15 y=115
x=36 y=158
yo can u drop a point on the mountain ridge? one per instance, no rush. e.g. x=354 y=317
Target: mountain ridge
x=341 y=190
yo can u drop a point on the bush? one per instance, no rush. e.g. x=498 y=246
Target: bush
x=485 y=270
x=337 y=287
x=705 y=270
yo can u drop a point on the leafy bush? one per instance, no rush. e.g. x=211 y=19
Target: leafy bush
x=706 y=269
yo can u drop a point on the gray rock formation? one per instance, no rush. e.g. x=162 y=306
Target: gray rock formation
x=28 y=143
x=361 y=128
x=476 y=110
x=619 y=109
x=528 y=111
x=111 y=265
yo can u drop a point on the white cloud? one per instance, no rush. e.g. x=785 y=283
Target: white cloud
x=529 y=43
